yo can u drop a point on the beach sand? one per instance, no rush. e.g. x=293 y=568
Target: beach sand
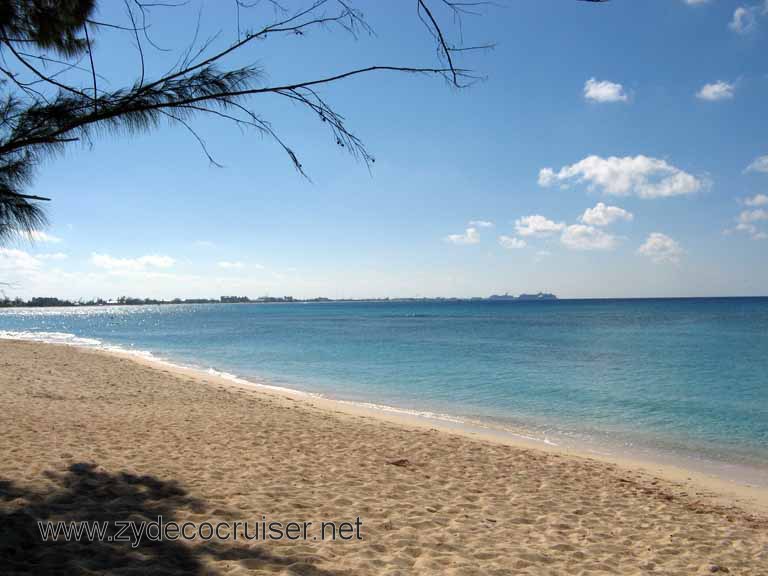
x=88 y=435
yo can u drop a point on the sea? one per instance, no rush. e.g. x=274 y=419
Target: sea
x=682 y=381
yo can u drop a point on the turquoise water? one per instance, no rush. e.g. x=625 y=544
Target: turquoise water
x=683 y=376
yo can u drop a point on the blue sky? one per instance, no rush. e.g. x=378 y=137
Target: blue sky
x=610 y=150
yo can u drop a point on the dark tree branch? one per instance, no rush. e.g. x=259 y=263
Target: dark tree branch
x=93 y=68
x=40 y=75
x=43 y=108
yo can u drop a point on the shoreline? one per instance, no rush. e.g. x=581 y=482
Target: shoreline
x=724 y=491
x=91 y=435
x=728 y=491
x=599 y=418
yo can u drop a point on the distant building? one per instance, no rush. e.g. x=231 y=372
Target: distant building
x=269 y=299
x=234 y=299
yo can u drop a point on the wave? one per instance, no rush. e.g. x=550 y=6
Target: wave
x=65 y=338
x=50 y=337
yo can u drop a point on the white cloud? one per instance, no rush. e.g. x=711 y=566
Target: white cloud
x=641 y=176
x=481 y=223
x=537 y=226
x=547 y=177
x=759 y=165
x=746 y=222
x=696 y=2
x=756 y=200
x=716 y=91
x=125 y=265
x=53 y=256
x=17 y=260
x=757 y=215
x=230 y=265
x=744 y=19
x=661 y=248
x=470 y=236
x=512 y=243
x=602 y=215
x=40 y=236
x=604 y=91
x=582 y=237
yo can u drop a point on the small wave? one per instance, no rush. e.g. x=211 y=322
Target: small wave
x=67 y=339
x=51 y=338
x=405 y=411
x=448 y=418
x=244 y=382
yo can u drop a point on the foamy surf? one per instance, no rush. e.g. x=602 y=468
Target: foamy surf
x=64 y=338
x=51 y=338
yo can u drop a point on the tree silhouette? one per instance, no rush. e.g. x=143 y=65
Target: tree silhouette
x=53 y=95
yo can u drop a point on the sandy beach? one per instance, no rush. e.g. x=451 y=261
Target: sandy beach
x=92 y=436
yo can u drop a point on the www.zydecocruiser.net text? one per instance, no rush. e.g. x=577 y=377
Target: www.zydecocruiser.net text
x=133 y=532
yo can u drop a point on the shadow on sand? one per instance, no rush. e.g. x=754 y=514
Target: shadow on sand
x=87 y=493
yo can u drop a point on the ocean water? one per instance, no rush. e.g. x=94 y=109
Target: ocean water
x=680 y=378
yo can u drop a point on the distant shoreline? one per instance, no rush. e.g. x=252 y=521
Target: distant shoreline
x=437 y=300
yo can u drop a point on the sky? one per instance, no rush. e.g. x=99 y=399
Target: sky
x=607 y=150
